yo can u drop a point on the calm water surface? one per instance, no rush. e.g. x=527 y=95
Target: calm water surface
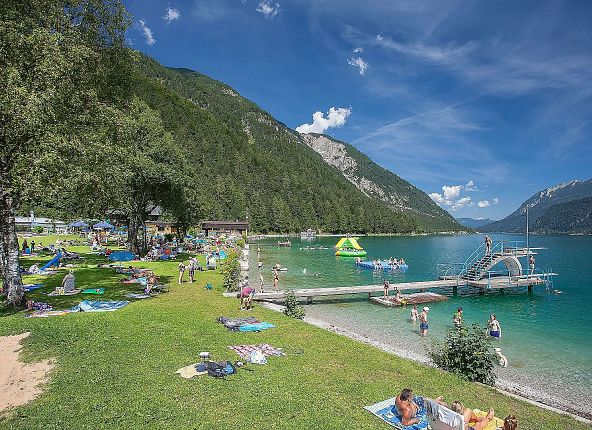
x=547 y=336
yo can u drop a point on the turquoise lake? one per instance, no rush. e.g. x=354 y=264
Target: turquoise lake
x=547 y=334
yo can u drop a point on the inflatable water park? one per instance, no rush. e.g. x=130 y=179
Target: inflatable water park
x=349 y=247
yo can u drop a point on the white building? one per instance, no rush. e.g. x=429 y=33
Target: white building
x=49 y=225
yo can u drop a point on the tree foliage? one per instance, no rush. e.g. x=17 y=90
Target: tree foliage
x=466 y=352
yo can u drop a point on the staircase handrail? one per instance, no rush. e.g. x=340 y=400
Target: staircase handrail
x=479 y=253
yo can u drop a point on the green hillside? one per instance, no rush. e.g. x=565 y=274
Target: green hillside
x=573 y=217
x=249 y=164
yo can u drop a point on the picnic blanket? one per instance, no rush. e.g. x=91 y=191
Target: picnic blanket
x=94 y=291
x=65 y=293
x=235 y=323
x=245 y=350
x=384 y=411
x=256 y=326
x=99 y=306
x=46 y=313
x=31 y=287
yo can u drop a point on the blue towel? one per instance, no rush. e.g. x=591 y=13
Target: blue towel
x=99 y=306
x=384 y=411
x=31 y=287
x=256 y=326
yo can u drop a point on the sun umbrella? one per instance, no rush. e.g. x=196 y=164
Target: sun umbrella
x=104 y=225
x=78 y=224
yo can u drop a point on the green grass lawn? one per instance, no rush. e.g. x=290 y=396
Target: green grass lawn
x=117 y=369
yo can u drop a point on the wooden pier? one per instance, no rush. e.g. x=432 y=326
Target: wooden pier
x=483 y=285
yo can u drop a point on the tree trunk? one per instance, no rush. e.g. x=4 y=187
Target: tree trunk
x=137 y=245
x=12 y=285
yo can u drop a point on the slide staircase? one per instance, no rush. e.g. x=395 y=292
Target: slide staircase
x=481 y=262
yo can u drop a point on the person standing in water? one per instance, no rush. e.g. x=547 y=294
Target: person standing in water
x=414 y=314
x=386 y=287
x=276 y=279
x=423 y=322
x=457 y=319
x=495 y=329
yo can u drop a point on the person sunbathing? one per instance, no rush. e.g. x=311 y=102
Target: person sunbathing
x=470 y=417
x=405 y=408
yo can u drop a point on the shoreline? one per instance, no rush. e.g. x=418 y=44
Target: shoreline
x=527 y=394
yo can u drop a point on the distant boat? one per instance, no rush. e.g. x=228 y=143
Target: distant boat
x=308 y=234
x=286 y=243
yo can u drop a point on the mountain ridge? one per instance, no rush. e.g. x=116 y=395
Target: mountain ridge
x=539 y=203
x=259 y=166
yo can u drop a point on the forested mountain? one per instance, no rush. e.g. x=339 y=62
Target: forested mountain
x=539 y=204
x=380 y=183
x=250 y=165
x=574 y=217
x=474 y=222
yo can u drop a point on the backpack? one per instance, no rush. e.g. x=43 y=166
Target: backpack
x=220 y=369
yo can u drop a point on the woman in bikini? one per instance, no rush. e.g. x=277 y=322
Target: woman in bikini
x=470 y=417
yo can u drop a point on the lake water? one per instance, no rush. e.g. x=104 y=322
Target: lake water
x=547 y=336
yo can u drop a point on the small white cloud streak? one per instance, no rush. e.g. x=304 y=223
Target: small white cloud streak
x=471 y=187
x=335 y=118
x=484 y=204
x=436 y=54
x=359 y=63
x=358 y=50
x=171 y=14
x=268 y=9
x=150 y=40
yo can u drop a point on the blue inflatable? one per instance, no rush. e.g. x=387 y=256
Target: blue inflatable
x=55 y=261
x=382 y=265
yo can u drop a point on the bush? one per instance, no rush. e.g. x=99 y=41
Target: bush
x=467 y=353
x=293 y=309
x=37 y=229
x=240 y=243
x=231 y=271
x=168 y=237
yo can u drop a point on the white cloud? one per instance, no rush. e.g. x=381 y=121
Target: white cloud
x=335 y=118
x=496 y=201
x=484 y=204
x=450 y=197
x=449 y=54
x=268 y=9
x=359 y=49
x=150 y=40
x=359 y=63
x=171 y=14
x=451 y=191
x=470 y=186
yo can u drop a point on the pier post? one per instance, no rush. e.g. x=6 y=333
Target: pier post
x=455 y=289
x=530 y=288
x=369 y=296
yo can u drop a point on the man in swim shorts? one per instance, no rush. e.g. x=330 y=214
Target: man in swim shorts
x=495 y=329
x=423 y=322
x=405 y=408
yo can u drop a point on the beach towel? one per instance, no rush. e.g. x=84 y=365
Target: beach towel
x=235 y=323
x=94 y=291
x=31 y=287
x=138 y=296
x=493 y=424
x=255 y=326
x=190 y=371
x=244 y=351
x=45 y=314
x=384 y=411
x=440 y=413
x=65 y=293
x=99 y=306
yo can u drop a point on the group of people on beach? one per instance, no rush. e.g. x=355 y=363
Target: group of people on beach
x=191 y=267
x=410 y=410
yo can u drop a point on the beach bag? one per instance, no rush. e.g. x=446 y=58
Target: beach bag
x=220 y=370
x=257 y=357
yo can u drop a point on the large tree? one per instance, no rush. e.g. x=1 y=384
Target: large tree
x=60 y=62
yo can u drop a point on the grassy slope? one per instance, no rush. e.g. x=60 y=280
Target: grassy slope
x=116 y=370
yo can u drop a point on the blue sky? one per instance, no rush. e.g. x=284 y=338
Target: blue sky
x=478 y=103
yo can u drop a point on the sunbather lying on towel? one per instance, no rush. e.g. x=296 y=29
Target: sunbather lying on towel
x=479 y=422
x=406 y=409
